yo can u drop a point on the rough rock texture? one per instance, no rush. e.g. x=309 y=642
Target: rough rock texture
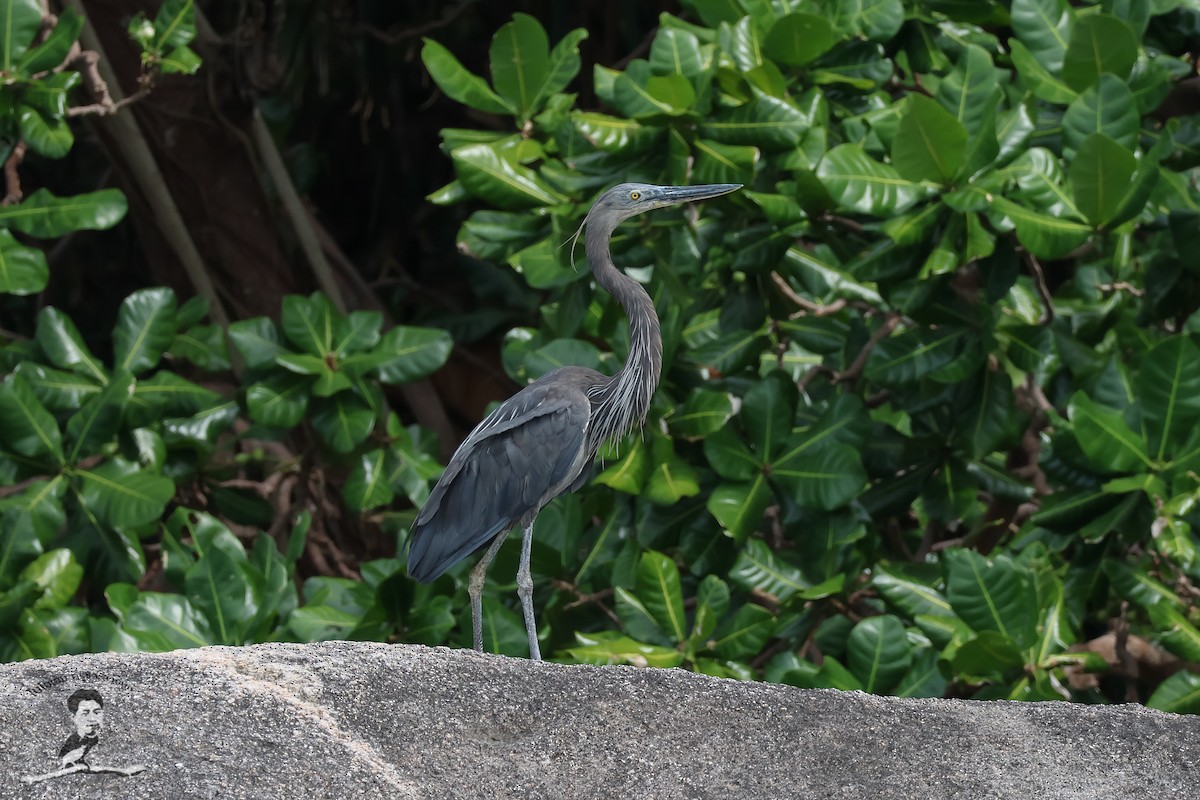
x=345 y=720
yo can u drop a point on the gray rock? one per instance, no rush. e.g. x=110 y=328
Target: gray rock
x=346 y=720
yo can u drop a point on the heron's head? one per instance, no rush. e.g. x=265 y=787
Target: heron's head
x=630 y=199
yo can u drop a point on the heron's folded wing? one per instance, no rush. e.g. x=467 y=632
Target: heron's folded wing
x=524 y=454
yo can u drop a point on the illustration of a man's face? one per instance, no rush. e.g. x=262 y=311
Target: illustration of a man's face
x=88 y=718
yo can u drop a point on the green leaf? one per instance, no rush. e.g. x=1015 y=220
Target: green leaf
x=563 y=65
x=768 y=122
x=175 y=395
x=308 y=323
x=520 y=63
x=929 y=144
x=49 y=94
x=712 y=601
x=492 y=176
x=628 y=473
x=728 y=353
x=96 y=423
x=59 y=339
x=26 y=427
x=1043 y=26
x=122 y=496
x=911 y=589
x=46 y=135
x=768 y=412
x=636 y=619
x=914 y=354
x=218 y=586
x=1106 y=107
x=357 y=332
x=676 y=52
x=58 y=390
x=659 y=590
x=1105 y=437
x=1169 y=381
x=877 y=20
x=613 y=648
x=145 y=328
x=924 y=678
x=859 y=183
x=989 y=655
x=180 y=61
x=23 y=270
x=202 y=345
x=459 y=84
x=1176 y=632
x=729 y=457
x=19 y=544
x=723 y=163
x=366 y=485
x=614 y=134
x=969 y=91
x=987 y=417
x=342 y=421
x=258 y=340
x=1179 y=694
x=799 y=39
x=1042 y=235
x=1099 y=43
x=758 y=568
x=878 y=653
x=163 y=622
x=1132 y=583
x=993 y=595
x=743 y=635
x=174 y=25
x=19 y=23
x=410 y=468
x=824 y=335
x=279 y=401
x=319 y=623
x=54 y=50
x=430 y=622
x=1044 y=84
x=704 y=412
x=1100 y=176
x=671 y=478
x=826 y=479
x=739 y=507
x=741 y=41
x=561 y=353
x=1136 y=13
x=302 y=363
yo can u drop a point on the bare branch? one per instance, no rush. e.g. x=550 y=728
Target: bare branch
x=12 y=179
x=1039 y=280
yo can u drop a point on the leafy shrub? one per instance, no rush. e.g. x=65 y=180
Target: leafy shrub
x=932 y=373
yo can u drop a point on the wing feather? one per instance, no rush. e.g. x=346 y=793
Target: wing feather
x=525 y=453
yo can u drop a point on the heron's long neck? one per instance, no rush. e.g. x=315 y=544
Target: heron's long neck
x=624 y=399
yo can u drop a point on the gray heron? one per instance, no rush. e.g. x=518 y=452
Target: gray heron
x=541 y=442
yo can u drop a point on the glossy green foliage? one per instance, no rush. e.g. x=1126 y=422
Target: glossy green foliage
x=929 y=396
x=39 y=77
x=97 y=458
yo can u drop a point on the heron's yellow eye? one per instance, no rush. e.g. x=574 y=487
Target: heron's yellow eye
x=635 y=195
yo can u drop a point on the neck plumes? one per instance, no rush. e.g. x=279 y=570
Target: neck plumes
x=621 y=402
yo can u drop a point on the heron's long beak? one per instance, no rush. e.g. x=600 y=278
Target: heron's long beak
x=686 y=194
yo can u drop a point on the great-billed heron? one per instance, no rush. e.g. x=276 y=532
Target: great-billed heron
x=541 y=442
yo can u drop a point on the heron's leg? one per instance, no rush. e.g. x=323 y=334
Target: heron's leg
x=525 y=592
x=475 y=589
